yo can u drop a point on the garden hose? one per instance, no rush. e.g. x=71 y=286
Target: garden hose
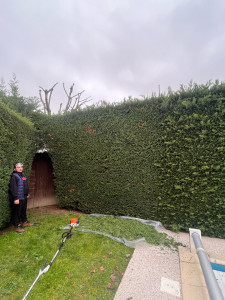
x=44 y=269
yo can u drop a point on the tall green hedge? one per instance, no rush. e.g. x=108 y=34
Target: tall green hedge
x=161 y=158
x=17 y=144
x=192 y=170
x=103 y=158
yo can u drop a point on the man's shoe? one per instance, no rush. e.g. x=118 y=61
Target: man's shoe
x=19 y=230
x=27 y=224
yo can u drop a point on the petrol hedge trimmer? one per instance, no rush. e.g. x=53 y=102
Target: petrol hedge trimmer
x=73 y=222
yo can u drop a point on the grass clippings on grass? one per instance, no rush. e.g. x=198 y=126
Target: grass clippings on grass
x=88 y=266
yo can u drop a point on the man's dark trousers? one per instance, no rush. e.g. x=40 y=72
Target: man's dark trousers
x=19 y=212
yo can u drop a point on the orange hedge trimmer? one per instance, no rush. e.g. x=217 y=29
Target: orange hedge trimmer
x=73 y=222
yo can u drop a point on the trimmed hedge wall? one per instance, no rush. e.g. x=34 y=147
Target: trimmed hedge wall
x=192 y=170
x=17 y=144
x=103 y=158
x=161 y=158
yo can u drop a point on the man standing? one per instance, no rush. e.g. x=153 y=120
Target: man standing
x=19 y=192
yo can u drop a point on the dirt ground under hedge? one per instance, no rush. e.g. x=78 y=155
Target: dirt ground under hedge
x=54 y=209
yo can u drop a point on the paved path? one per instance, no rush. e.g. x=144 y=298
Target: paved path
x=154 y=273
x=142 y=279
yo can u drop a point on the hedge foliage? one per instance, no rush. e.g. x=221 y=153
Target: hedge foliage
x=17 y=144
x=192 y=170
x=161 y=158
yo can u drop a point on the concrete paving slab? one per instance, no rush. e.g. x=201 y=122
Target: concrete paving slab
x=192 y=274
x=217 y=258
x=194 y=293
x=142 y=279
x=169 y=286
x=193 y=281
x=148 y=265
x=186 y=256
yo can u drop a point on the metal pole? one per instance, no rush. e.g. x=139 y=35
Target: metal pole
x=214 y=290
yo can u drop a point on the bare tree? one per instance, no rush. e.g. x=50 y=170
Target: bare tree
x=74 y=102
x=46 y=102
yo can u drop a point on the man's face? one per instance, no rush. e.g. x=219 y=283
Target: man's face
x=19 y=168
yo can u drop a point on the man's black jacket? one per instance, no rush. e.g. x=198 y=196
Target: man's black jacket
x=13 y=186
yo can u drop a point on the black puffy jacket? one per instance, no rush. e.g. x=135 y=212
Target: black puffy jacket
x=13 y=186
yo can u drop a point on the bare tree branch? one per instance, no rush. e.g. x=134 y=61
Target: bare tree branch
x=85 y=100
x=65 y=90
x=70 y=98
x=44 y=106
x=51 y=90
x=47 y=101
x=60 y=109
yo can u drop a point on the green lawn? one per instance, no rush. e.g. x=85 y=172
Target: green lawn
x=89 y=266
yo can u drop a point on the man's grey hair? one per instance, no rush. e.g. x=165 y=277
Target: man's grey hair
x=18 y=164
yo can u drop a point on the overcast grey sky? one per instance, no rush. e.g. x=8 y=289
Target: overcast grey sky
x=111 y=48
